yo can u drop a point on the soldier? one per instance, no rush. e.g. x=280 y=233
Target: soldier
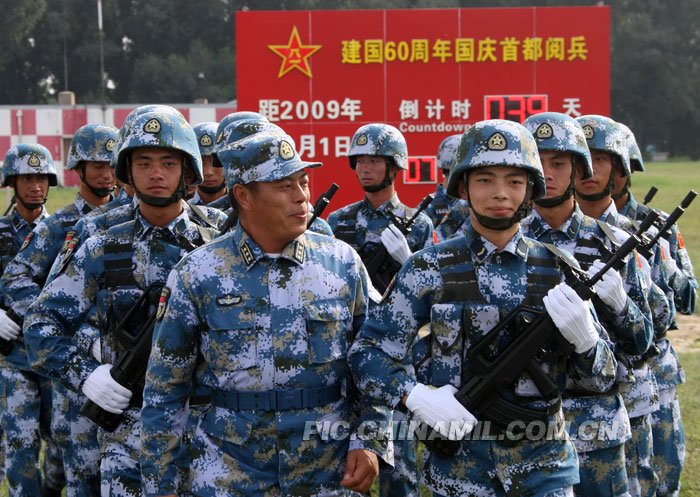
x=263 y=317
x=26 y=401
x=667 y=426
x=110 y=273
x=622 y=307
x=90 y=154
x=461 y=288
x=442 y=202
x=213 y=185
x=610 y=153
x=377 y=153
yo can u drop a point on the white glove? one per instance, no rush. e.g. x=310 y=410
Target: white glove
x=9 y=330
x=571 y=316
x=609 y=288
x=96 y=350
x=101 y=388
x=396 y=244
x=438 y=408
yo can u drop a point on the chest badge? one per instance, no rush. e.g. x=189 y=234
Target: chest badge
x=228 y=300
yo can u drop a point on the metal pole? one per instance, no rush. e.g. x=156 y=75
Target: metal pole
x=102 y=60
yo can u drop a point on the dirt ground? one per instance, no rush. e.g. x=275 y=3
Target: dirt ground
x=687 y=337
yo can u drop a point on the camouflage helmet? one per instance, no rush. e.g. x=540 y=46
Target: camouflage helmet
x=142 y=109
x=206 y=135
x=159 y=129
x=266 y=156
x=497 y=142
x=605 y=135
x=379 y=139
x=636 y=159
x=231 y=118
x=562 y=133
x=28 y=158
x=92 y=142
x=243 y=128
x=447 y=150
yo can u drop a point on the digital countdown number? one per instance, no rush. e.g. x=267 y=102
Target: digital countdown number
x=420 y=170
x=513 y=107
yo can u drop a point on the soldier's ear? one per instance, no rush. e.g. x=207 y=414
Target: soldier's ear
x=243 y=197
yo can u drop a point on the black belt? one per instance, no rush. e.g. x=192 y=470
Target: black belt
x=276 y=400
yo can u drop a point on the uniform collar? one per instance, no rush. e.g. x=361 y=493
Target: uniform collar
x=178 y=227
x=18 y=222
x=391 y=205
x=482 y=249
x=251 y=253
x=631 y=208
x=610 y=214
x=83 y=205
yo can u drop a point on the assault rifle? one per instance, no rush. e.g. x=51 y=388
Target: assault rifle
x=135 y=333
x=664 y=226
x=380 y=265
x=322 y=203
x=533 y=331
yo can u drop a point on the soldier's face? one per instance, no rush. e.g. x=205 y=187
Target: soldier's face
x=278 y=209
x=496 y=191
x=620 y=180
x=213 y=176
x=602 y=166
x=99 y=174
x=370 y=169
x=32 y=188
x=156 y=171
x=557 y=168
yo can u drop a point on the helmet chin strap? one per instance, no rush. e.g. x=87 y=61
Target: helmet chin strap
x=212 y=189
x=179 y=194
x=606 y=191
x=98 y=192
x=388 y=180
x=502 y=224
x=559 y=199
x=625 y=190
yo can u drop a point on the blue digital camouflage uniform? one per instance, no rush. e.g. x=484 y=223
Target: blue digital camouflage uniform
x=642 y=396
x=26 y=399
x=667 y=426
x=440 y=206
x=601 y=457
x=361 y=226
x=21 y=283
x=88 y=294
x=430 y=289
x=453 y=220
x=268 y=336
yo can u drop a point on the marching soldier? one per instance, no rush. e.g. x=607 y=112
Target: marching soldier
x=622 y=308
x=462 y=288
x=263 y=318
x=26 y=401
x=99 y=285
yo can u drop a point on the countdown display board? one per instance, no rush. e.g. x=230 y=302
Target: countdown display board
x=322 y=74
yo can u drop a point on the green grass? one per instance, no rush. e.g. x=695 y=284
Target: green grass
x=674 y=180
x=690 y=411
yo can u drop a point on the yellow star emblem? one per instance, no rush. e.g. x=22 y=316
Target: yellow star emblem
x=294 y=55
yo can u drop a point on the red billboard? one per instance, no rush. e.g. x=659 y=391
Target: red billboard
x=322 y=74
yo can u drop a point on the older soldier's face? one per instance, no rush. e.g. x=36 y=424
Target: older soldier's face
x=280 y=208
x=557 y=168
x=496 y=191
